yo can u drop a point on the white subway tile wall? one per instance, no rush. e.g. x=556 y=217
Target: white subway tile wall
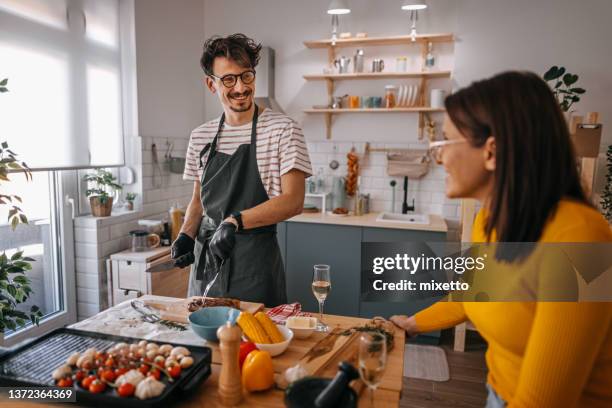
x=97 y=238
x=427 y=192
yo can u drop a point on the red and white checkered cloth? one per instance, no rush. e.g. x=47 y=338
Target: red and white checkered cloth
x=280 y=313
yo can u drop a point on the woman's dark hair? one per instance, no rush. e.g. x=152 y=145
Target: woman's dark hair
x=535 y=161
x=237 y=47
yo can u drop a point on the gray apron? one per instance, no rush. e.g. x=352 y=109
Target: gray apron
x=254 y=272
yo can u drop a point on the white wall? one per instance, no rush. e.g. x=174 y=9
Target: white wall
x=492 y=36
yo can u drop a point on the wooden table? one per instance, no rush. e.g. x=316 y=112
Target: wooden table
x=387 y=395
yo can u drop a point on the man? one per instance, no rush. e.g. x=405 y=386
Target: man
x=249 y=167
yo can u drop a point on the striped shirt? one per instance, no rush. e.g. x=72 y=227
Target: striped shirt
x=280 y=147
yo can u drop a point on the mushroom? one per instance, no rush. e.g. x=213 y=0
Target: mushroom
x=170 y=362
x=180 y=351
x=152 y=346
x=84 y=358
x=73 y=358
x=151 y=354
x=133 y=348
x=61 y=372
x=142 y=343
x=186 y=362
x=165 y=349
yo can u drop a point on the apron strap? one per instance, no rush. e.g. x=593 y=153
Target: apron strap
x=212 y=146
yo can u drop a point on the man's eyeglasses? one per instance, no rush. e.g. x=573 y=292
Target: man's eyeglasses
x=230 y=80
x=435 y=148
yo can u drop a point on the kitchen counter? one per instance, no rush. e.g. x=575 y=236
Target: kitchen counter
x=436 y=223
x=123 y=320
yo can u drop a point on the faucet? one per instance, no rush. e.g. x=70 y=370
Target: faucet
x=405 y=206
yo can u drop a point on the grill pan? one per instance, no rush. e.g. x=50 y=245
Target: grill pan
x=32 y=365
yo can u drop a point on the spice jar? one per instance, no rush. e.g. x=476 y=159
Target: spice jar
x=390 y=96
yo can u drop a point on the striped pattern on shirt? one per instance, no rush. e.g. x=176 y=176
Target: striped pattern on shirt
x=281 y=147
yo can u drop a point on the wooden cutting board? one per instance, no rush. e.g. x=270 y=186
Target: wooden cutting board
x=177 y=311
x=325 y=350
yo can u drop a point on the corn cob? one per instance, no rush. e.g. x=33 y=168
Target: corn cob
x=270 y=328
x=252 y=329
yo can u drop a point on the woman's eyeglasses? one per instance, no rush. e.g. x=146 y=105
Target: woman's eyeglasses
x=435 y=148
x=230 y=80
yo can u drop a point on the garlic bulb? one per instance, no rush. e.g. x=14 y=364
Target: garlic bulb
x=149 y=388
x=295 y=373
x=134 y=377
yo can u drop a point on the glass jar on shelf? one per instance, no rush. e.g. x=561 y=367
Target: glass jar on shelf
x=390 y=96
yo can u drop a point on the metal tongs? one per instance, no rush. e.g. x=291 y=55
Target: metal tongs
x=149 y=314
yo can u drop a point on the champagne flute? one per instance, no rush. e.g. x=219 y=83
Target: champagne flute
x=372 y=360
x=321 y=286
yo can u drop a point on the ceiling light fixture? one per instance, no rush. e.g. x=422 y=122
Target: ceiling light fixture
x=335 y=8
x=413 y=7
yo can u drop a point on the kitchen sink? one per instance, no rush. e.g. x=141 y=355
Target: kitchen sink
x=409 y=218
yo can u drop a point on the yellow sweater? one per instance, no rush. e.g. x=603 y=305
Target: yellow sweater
x=543 y=354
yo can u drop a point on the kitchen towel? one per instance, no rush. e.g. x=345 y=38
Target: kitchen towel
x=411 y=163
x=280 y=313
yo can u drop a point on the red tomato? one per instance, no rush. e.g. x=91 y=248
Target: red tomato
x=78 y=376
x=174 y=370
x=110 y=362
x=100 y=355
x=126 y=390
x=65 y=382
x=144 y=369
x=155 y=373
x=88 y=380
x=97 y=386
x=108 y=375
x=87 y=365
x=245 y=348
x=120 y=371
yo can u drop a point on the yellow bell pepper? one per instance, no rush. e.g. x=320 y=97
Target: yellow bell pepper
x=257 y=371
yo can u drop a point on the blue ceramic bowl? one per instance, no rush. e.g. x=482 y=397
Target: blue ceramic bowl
x=206 y=321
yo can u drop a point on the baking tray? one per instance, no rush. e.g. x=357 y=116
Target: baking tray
x=32 y=365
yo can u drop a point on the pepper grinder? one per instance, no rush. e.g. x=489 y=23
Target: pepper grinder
x=230 y=385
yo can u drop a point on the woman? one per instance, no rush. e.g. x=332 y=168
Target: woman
x=508 y=146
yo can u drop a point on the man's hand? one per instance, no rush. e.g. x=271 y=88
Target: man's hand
x=223 y=241
x=182 y=246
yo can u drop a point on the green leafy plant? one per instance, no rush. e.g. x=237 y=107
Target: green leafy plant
x=14 y=284
x=563 y=86
x=103 y=184
x=9 y=163
x=606 y=195
x=130 y=196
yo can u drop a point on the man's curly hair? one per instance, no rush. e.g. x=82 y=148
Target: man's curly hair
x=237 y=47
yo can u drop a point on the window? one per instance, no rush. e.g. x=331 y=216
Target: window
x=63 y=62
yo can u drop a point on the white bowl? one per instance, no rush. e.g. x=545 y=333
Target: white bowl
x=302 y=332
x=278 y=348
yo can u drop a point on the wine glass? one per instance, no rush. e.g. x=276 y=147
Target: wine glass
x=372 y=360
x=321 y=286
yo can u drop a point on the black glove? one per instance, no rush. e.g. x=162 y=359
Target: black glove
x=182 y=250
x=223 y=241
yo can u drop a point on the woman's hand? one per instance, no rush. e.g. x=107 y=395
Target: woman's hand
x=407 y=323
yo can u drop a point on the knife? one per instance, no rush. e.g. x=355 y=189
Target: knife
x=171 y=264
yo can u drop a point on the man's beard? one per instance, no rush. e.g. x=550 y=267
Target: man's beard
x=248 y=98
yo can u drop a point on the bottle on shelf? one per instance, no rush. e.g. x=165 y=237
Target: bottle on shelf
x=430 y=60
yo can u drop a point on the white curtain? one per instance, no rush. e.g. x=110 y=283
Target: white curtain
x=62 y=59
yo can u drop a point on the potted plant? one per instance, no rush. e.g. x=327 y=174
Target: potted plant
x=15 y=286
x=129 y=198
x=563 y=87
x=100 y=198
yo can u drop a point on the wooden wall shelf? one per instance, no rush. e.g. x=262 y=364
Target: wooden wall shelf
x=376 y=110
x=392 y=40
x=379 y=75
